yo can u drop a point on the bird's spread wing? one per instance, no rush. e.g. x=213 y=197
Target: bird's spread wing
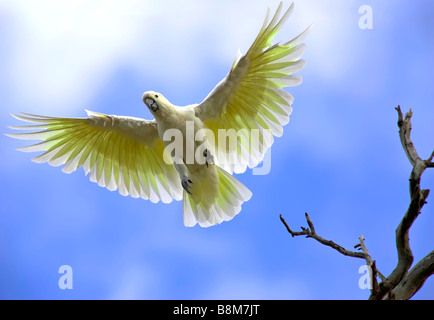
x=122 y=153
x=250 y=99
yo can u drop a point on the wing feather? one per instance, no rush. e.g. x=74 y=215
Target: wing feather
x=251 y=95
x=119 y=153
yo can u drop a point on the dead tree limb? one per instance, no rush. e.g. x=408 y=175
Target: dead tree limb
x=311 y=233
x=418 y=199
x=402 y=283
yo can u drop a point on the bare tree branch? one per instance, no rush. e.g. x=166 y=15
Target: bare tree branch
x=418 y=199
x=414 y=279
x=404 y=135
x=371 y=263
x=310 y=233
x=401 y=283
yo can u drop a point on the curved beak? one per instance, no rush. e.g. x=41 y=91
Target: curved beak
x=150 y=103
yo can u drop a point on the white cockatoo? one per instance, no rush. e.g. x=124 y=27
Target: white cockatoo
x=131 y=154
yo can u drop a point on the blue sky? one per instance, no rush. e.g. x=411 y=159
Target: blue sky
x=339 y=159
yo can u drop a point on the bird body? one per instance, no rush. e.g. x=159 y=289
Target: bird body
x=183 y=154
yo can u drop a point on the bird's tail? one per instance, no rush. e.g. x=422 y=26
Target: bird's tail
x=227 y=203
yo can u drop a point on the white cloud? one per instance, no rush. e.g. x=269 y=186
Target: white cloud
x=330 y=45
x=62 y=52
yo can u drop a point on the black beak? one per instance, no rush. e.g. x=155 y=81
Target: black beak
x=151 y=104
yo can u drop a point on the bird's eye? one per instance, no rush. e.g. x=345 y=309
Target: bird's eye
x=156 y=96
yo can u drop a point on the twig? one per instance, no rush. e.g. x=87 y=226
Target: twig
x=310 y=233
x=418 y=199
x=401 y=283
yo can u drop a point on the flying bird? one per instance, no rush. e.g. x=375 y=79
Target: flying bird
x=132 y=155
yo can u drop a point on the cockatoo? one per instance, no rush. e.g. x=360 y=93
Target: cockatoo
x=130 y=154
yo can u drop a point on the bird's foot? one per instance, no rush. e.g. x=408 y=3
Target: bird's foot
x=209 y=159
x=186 y=183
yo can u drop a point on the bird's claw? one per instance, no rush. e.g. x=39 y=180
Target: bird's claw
x=208 y=157
x=185 y=182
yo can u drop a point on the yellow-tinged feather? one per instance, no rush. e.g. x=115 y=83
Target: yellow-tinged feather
x=79 y=148
x=89 y=147
x=124 y=165
x=115 y=159
x=151 y=175
x=108 y=160
x=133 y=167
x=100 y=159
x=68 y=143
x=94 y=152
x=142 y=172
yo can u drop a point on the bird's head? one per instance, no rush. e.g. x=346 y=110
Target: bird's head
x=154 y=101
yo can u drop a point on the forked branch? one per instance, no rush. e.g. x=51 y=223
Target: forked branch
x=402 y=283
x=311 y=233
